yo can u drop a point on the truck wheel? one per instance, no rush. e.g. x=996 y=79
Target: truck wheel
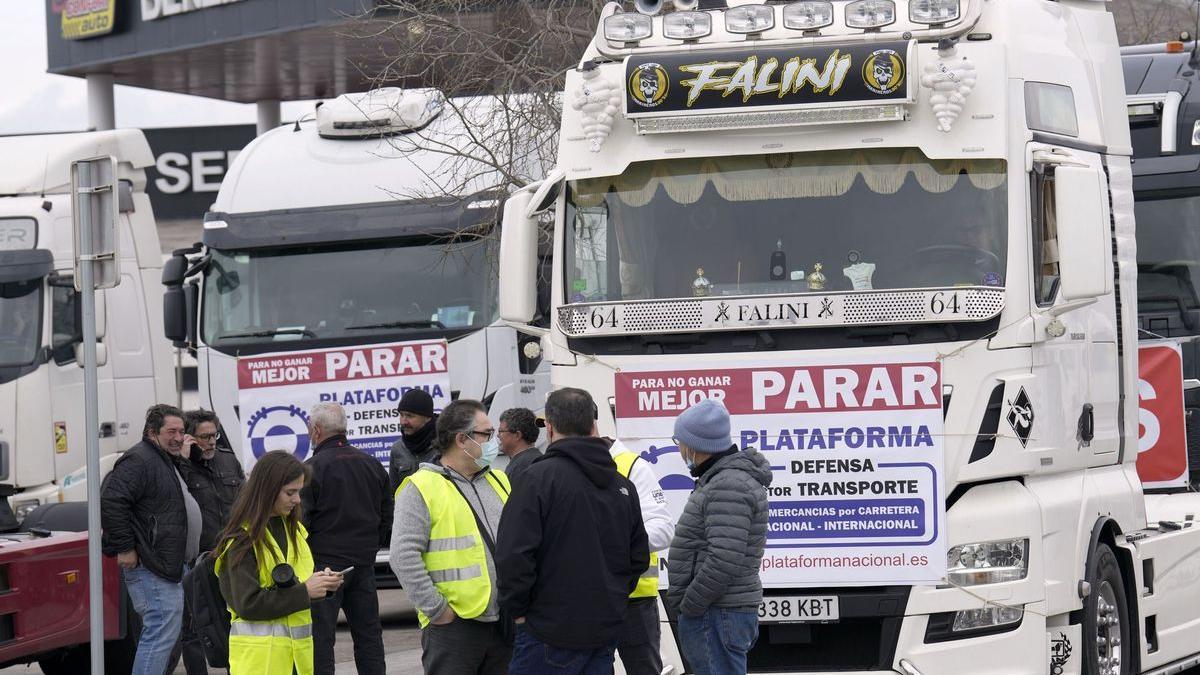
x=66 y=661
x=1106 y=627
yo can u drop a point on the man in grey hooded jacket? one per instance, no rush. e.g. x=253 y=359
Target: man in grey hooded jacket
x=718 y=546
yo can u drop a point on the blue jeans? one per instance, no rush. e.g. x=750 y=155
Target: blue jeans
x=531 y=656
x=716 y=642
x=160 y=604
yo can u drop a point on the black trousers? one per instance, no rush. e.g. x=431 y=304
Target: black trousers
x=640 y=636
x=464 y=647
x=359 y=599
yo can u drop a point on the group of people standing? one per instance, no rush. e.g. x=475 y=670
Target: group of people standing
x=551 y=566
x=554 y=569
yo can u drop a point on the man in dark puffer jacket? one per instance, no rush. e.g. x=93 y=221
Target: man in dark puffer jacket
x=152 y=525
x=718 y=546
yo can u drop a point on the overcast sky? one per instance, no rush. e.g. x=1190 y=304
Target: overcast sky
x=34 y=101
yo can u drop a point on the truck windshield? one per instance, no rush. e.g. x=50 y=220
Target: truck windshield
x=1168 y=251
x=760 y=224
x=20 y=322
x=430 y=286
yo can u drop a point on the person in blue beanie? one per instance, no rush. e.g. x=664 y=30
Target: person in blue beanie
x=718 y=546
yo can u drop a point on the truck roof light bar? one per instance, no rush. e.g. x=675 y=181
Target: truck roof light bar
x=750 y=19
x=759 y=120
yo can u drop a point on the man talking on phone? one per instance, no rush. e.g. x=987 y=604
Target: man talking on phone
x=348 y=513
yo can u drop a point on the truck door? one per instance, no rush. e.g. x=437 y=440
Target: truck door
x=66 y=378
x=1079 y=351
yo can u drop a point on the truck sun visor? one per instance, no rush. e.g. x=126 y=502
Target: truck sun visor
x=382 y=220
x=25 y=265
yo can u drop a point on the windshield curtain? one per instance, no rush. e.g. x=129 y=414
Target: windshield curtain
x=21 y=318
x=322 y=292
x=760 y=224
x=1168 y=251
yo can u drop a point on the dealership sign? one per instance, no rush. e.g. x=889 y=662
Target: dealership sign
x=157 y=9
x=84 y=18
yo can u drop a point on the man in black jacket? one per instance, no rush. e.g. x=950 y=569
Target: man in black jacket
x=152 y=525
x=214 y=476
x=348 y=514
x=571 y=547
x=418 y=426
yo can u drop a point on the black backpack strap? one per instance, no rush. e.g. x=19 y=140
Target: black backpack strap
x=483 y=531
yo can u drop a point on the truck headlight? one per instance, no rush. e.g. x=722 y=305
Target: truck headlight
x=627 y=27
x=1196 y=133
x=808 y=15
x=22 y=509
x=870 y=13
x=750 y=19
x=989 y=562
x=686 y=26
x=969 y=623
x=933 y=11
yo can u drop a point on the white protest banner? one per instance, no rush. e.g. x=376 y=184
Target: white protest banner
x=275 y=392
x=855 y=448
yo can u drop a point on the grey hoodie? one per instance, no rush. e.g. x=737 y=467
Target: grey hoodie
x=410 y=538
x=718 y=546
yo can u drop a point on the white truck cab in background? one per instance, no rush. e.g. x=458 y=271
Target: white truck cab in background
x=805 y=209
x=42 y=435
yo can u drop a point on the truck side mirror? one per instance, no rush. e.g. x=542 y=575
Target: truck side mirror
x=175 y=320
x=518 y=253
x=173 y=270
x=1084 y=240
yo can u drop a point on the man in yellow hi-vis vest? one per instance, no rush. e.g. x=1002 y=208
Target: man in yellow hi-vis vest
x=639 y=643
x=443 y=536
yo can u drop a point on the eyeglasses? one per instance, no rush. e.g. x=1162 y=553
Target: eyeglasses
x=486 y=434
x=208 y=437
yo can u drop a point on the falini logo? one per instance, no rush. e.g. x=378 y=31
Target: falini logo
x=279 y=428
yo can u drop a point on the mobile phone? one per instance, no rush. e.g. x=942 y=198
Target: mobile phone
x=343 y=572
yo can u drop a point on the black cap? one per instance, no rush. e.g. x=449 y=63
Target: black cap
x=417 y=402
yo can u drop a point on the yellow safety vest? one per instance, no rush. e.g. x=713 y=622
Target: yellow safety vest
x=455 y=560
x=647 y=586
x=273 y=647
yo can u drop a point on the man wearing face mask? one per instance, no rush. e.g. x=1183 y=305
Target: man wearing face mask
x=348 y=514
x=442 y=550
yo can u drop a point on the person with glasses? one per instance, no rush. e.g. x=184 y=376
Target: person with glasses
x=348 y=515
x=517 y=433
x=443 y=547
x=214 y=477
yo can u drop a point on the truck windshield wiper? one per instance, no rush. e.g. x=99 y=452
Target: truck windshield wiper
x=272 y=333
x=427 y=323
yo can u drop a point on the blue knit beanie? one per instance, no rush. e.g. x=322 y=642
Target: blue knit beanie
x=704 y=427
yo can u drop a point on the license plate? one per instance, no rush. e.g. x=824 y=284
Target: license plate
x=798 y=609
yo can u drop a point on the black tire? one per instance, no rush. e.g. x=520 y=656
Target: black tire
x=69 y=661
x=1106 y=617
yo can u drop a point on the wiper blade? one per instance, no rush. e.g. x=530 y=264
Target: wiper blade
x=428 y=323
x=272 y=333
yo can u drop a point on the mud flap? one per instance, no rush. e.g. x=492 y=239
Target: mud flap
x=1064 y=650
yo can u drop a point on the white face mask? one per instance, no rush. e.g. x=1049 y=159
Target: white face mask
x=488 y=453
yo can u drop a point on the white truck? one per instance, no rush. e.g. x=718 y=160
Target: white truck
x=896 y=239
x=42 y=434
x=341 y=230
x=354 y=227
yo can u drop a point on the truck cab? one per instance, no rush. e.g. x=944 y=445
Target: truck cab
x=896 y=240
x=348 y=228
x=1163 y=91
x=42 y=434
